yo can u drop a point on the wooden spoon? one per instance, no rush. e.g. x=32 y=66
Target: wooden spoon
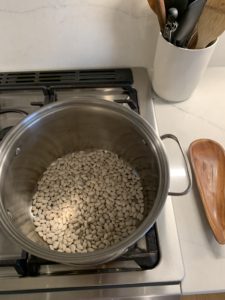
x=208 y=162
x=211 y=23
x=158 y=6
x=193 y=39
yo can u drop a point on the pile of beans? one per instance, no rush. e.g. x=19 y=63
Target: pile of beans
x=86 y=201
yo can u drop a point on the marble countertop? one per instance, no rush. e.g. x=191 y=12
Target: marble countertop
x=201 y=116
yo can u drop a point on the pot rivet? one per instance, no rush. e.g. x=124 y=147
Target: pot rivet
x=18 y=150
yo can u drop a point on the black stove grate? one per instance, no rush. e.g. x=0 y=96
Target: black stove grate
x=49 y=81
x=145 y=259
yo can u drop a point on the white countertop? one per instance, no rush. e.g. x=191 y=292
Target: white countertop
x=202 y=116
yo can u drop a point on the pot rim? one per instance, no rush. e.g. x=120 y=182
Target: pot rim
x=104 y=255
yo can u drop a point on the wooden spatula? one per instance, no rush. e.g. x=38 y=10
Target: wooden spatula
x=211 y=23
x=158 y=6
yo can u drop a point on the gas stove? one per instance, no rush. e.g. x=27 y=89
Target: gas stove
x=153 y=266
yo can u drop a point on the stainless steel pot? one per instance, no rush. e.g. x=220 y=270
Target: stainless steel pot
x=64 y=127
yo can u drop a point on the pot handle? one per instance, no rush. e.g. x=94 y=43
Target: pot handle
x=187 y=165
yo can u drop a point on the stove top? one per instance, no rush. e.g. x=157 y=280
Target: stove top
x=24 y=93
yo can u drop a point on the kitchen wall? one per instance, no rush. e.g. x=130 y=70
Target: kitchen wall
x=60 y=34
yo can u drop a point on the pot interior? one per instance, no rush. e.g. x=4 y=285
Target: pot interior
x=62 y=130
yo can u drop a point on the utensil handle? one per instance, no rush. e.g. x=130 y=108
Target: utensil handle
x=187 y=165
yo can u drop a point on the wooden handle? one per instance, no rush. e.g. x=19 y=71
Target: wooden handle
x=193 y=40
x=158 y=6
x=211 y=23
x=161 y=13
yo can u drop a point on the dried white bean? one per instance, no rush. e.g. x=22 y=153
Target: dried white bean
x=86 y=201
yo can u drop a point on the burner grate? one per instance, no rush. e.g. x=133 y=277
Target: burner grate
x=144 y=254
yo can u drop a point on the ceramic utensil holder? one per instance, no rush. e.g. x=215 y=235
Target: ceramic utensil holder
x=177 y=71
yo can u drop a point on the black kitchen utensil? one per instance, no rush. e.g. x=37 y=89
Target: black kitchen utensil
x=180 y=5
x=171 y=24
x=188 y=22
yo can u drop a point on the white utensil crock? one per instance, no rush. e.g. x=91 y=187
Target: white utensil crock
x=177 y=71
